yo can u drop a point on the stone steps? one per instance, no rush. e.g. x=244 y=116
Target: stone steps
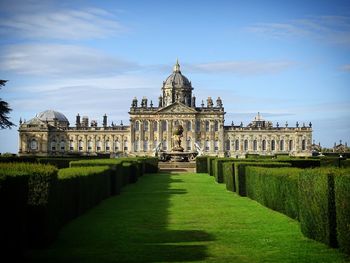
x=177 y=167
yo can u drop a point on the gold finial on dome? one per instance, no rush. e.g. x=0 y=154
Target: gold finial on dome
x=177 y=66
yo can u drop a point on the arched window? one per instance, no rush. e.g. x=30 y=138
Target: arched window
x=116 y=146
x=273 y=146
x=207 y=145
x=62 y=145
x=89 y=145
x=53 y=145
x=108 y=146
x=198 y=126
x=136 y=145
x=290 y=145
x=188 y=126
x=264 y=145
x=71 y=145
x=216 y=126
x=164 y=126
x=155 y=126
x=246 y=145
x=207 y=126
x=255 y=145
x=281 y=145
x=80 y=145
x=228 y=146
x=137 y=126
x=216 y=145
x=33 y=145
x=237 y=145
x=145 y=125
x=155 y=143
x=176 y=123
x=98 y=145
x=303 y=145
x=145 y=146
x=188 y=144
x=126 y=145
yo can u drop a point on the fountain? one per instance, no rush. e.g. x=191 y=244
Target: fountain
x=177 y=153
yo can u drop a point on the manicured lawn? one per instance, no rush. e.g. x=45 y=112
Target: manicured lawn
x=183 y=218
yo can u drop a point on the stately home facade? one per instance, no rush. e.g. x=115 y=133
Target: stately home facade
x=151 y=126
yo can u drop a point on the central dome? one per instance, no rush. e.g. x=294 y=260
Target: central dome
x=51 y=115
x=176 y=79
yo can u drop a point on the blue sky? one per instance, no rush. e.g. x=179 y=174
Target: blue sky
x=289 y=60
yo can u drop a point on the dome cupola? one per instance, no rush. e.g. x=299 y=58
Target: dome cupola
x=177 y=88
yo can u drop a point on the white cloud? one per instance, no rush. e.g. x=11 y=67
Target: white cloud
x=41 y=21
x=60 y=60
x=332 y=29
x=242 y=67
x=346 y=67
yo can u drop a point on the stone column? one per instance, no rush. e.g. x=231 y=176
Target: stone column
x=132 y=137
x=169 y=135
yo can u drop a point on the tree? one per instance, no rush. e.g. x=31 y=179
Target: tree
x=4 y=111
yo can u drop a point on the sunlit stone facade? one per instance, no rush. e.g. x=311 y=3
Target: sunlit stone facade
x=151 y=126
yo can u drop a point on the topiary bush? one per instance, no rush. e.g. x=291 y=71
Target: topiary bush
x=342 y=204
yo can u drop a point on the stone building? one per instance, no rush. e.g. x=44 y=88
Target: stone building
x=151 y=126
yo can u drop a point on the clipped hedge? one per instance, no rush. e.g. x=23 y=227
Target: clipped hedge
x=218 y=169
x=301 y=163
x=202 y=164
x=37 y=190
x=240 y=173
x=80 y=188
x=210 y=165
x=342 y=204
x=317 y=205
x=150 y=164
x=276 y=188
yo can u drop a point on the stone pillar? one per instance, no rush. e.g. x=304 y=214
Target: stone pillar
x=221 y=137
x=169 y=135
x=151 y=136
x=132 y=137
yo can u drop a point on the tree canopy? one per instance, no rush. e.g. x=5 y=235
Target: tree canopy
x=4 y=111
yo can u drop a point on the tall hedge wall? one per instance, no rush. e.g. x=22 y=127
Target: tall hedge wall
x=26 y=218
x=80 y=188
x=276 y=188
x=240 y=173
x=202 y=164
x=317 y=205
x=342 y=204
x=218 y=169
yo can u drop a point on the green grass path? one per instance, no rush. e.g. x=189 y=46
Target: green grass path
x=183 y=218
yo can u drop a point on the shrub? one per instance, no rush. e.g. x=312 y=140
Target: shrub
x=317 y=205
x=202 y=164
x=276 y=188
x=342 y=204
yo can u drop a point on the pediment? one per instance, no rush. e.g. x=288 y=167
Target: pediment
x=177 y=107
x=35 y=121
